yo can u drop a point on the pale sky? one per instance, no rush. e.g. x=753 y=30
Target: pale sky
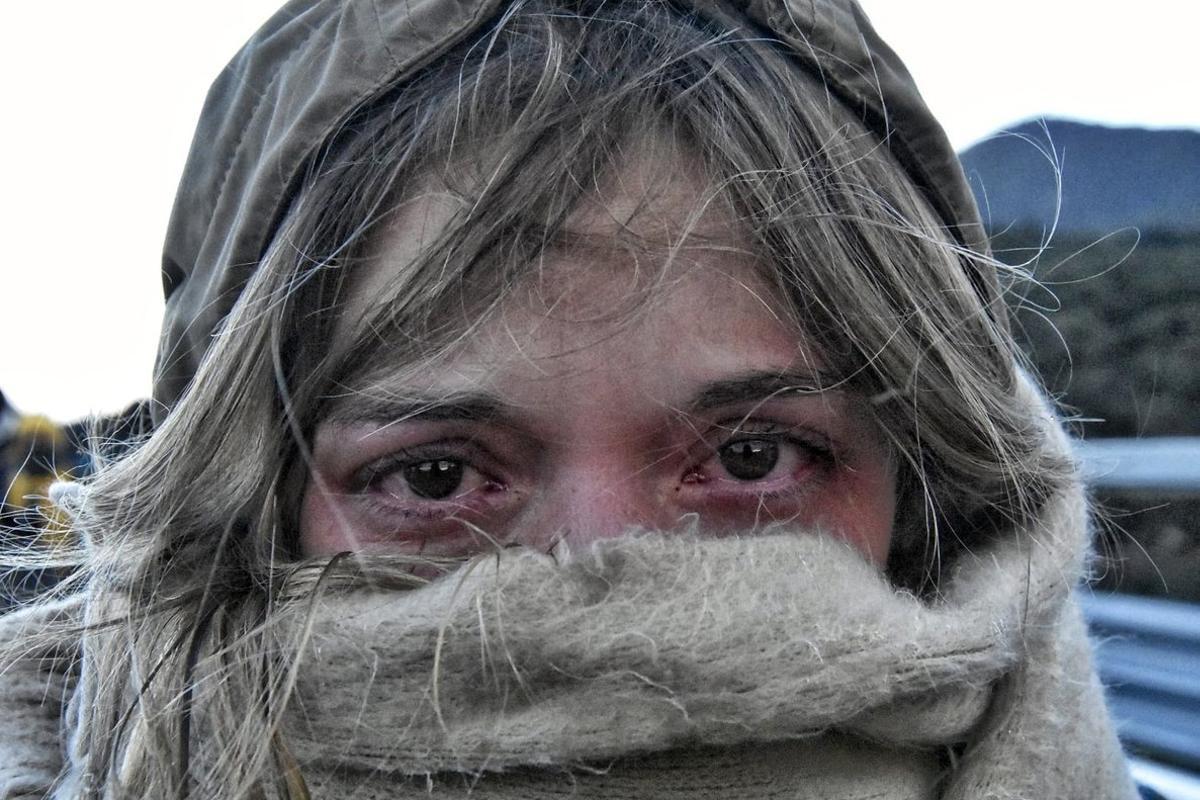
x=102 y=99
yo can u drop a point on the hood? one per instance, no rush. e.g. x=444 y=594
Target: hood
x=316 y=62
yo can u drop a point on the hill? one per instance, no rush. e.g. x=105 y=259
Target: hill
x=1111 y=177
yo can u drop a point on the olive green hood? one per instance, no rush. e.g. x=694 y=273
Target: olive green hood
x=316 y=62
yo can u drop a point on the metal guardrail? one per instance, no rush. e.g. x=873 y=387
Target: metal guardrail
x=1148 y=651
x=1168 y=464
x=1171 y=784
x=1148 y=656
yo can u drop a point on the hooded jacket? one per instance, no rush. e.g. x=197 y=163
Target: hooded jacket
x=773 y=666
x=316 y=62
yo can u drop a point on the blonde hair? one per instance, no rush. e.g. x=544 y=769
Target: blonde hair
x=193 y=532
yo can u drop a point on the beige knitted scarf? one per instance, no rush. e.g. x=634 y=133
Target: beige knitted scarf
x=780 y=665
x=659 y=666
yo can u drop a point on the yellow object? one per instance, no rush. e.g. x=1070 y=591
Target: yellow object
x=38 y=454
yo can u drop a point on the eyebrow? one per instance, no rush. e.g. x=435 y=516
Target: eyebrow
x=483 y=407
x=453 y=406
x=758 y=387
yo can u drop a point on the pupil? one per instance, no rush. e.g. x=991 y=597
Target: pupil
x=750 y=460
x=434 y=480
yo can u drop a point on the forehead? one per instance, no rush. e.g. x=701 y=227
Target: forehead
x=652 y=200
x=650 y=257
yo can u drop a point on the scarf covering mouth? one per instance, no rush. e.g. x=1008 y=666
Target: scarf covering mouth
x=672 y=666
x=777 y=665
x=655 y=665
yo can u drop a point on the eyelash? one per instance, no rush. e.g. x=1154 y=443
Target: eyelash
x=814 y=446
x=367 y=480
x=393 y=462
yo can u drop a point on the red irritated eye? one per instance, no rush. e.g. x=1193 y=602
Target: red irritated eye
x=763 y=461
x=420 y=479
x=758 y=477
x=431 y=499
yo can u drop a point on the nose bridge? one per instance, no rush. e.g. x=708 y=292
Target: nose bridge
x=596 y=499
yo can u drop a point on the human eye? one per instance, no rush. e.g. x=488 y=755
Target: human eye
x=759 y=461
x=429 y=480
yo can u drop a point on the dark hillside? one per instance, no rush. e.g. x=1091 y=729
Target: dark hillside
x=1111 y=177
x=1115 y=332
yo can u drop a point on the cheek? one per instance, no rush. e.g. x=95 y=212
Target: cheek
x=323 y=530
x=862 y=510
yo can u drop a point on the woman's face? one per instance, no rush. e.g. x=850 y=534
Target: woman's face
x=574 y=414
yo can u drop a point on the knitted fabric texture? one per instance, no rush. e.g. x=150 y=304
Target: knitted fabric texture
x=780 y=665
x=660 y=666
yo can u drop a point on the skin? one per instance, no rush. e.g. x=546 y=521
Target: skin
x=570 y=421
